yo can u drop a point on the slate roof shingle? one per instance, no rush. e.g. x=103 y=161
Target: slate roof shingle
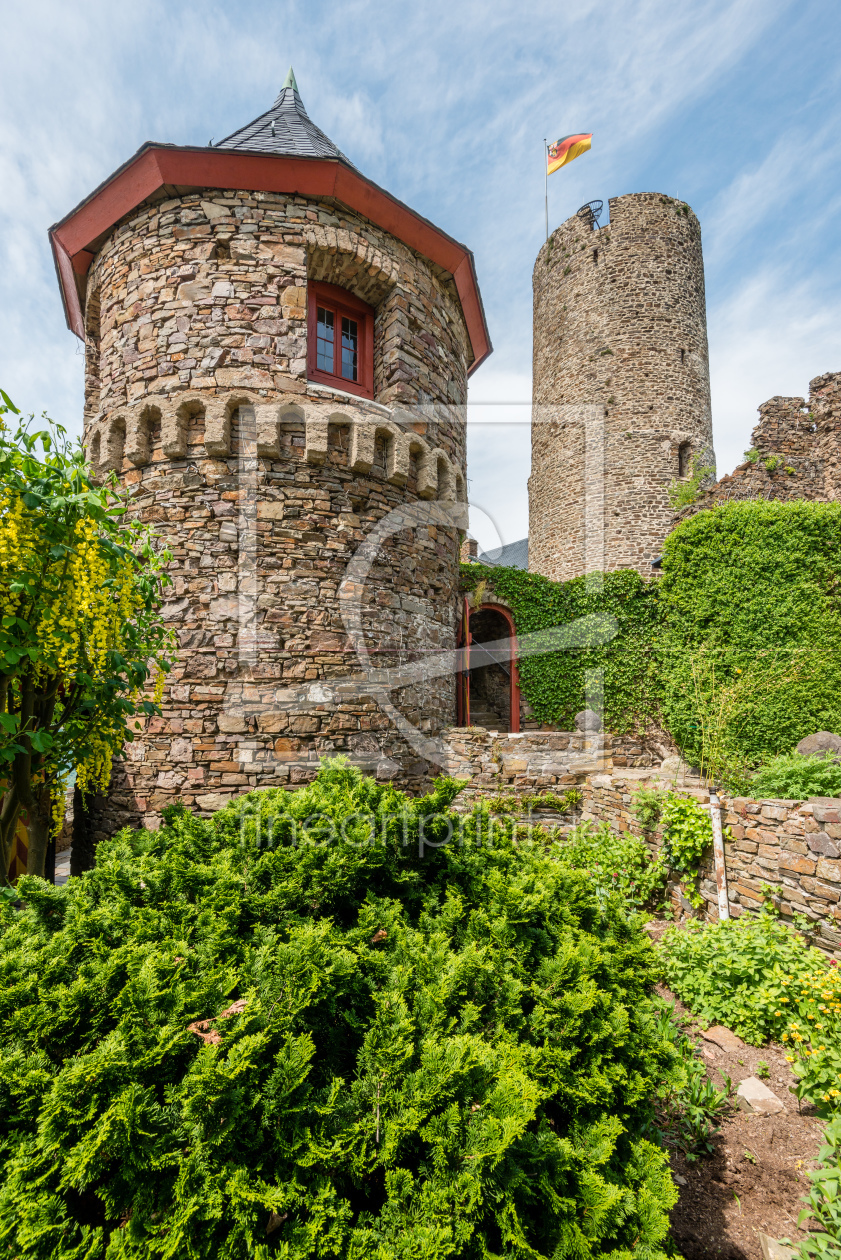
x=513 y=555
x=286 y=130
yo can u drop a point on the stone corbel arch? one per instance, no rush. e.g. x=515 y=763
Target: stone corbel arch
x=114 y=433
x=445 y=482
x=271 y=417
x=363 y=447
x=217 y=421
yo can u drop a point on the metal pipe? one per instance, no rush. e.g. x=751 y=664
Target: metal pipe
x=718 y=849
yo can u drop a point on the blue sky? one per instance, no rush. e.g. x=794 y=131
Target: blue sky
x=732 y=105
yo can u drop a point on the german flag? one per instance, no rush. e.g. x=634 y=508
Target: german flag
x=567 y=150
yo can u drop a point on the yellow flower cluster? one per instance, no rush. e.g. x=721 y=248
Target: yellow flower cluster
x=77 y=605
x=818 y=1001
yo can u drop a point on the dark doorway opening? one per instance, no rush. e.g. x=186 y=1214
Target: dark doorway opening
x=489 y=687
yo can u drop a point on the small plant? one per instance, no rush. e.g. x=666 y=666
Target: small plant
x=685 y=490
x=647 y=806
x=771 y=463
x=794 y=777
x=502 y=804
x=771 y=894
x=762 y=1070
x=688 y=1104
x=753 y=456
x=791 y=471
x=749 y=1156
x=573 y=798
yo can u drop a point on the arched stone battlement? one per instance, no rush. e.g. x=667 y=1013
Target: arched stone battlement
x=125 y=435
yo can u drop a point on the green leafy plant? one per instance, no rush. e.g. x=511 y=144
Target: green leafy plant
x=824 y=1199
x=647 y=806
x=573 y=798
x=771 y=463
x=791 y=776
x=685 y=490
x=81 y=590
x=751 y=588
x=756 y=976
x=615 y=864
x=753 y=455
x=314 y=1026
x=687 y=833
x=762 y=1070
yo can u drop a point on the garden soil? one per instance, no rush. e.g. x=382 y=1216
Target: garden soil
x=755 y=1180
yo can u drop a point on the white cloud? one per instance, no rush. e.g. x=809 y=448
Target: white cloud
x=769 y=338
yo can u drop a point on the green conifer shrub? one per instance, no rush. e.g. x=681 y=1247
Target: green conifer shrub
x=248 y=1037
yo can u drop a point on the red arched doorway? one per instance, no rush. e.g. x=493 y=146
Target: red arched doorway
x=489 y=685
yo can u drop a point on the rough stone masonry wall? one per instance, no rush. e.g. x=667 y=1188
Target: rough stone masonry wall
x=620 y=346
x=264 y=485
x=792 y=846
x=806 y=441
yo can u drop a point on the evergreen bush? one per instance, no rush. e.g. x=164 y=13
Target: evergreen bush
x=310 y=1027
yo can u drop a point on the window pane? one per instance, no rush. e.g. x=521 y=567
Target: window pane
x=324 y=341
x=350 y=348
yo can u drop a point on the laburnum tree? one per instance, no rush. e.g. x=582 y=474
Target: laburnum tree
x=83 y=647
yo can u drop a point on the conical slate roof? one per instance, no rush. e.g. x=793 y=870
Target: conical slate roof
x=286 y=129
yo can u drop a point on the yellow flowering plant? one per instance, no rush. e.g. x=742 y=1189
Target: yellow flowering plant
x=83 y=648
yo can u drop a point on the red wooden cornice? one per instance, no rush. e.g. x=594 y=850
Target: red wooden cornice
x=76 y=237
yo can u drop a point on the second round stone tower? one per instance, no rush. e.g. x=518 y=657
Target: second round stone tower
x=621 y=396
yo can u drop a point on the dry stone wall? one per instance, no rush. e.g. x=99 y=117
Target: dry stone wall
x=621 y=402
x=798 y=451
x=785 y=851
x=264 y=486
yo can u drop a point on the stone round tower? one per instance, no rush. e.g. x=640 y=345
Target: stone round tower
x=277 y=362
x=621 y=395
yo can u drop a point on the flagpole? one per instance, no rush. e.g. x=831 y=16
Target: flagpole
x=546 y=183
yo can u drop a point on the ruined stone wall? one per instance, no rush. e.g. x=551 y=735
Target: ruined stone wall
x=621 y=385
x=797 y=447
x=264 y=485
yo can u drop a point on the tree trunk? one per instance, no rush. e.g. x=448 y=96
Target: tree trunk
x=39 y=822
x=81 y=854
x=9 y=814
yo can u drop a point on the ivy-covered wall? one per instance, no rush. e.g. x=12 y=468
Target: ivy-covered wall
x=738 y=643
x=553 y=683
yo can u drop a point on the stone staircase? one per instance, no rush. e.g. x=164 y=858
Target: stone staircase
x=486 y=717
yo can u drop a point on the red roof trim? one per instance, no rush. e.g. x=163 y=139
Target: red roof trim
x=157 y=165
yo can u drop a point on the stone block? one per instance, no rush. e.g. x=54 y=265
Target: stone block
x=211 y=801
x=796 y=862
x=820 y=842
x=723 y=1037
x=754 y=1095
x=829 y=870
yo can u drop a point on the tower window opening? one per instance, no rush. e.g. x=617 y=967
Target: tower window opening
x=595 y=257
x=341 y=339
x=684 y=459
x=683 y=356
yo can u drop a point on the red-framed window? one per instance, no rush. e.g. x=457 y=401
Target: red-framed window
x=340 y=342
